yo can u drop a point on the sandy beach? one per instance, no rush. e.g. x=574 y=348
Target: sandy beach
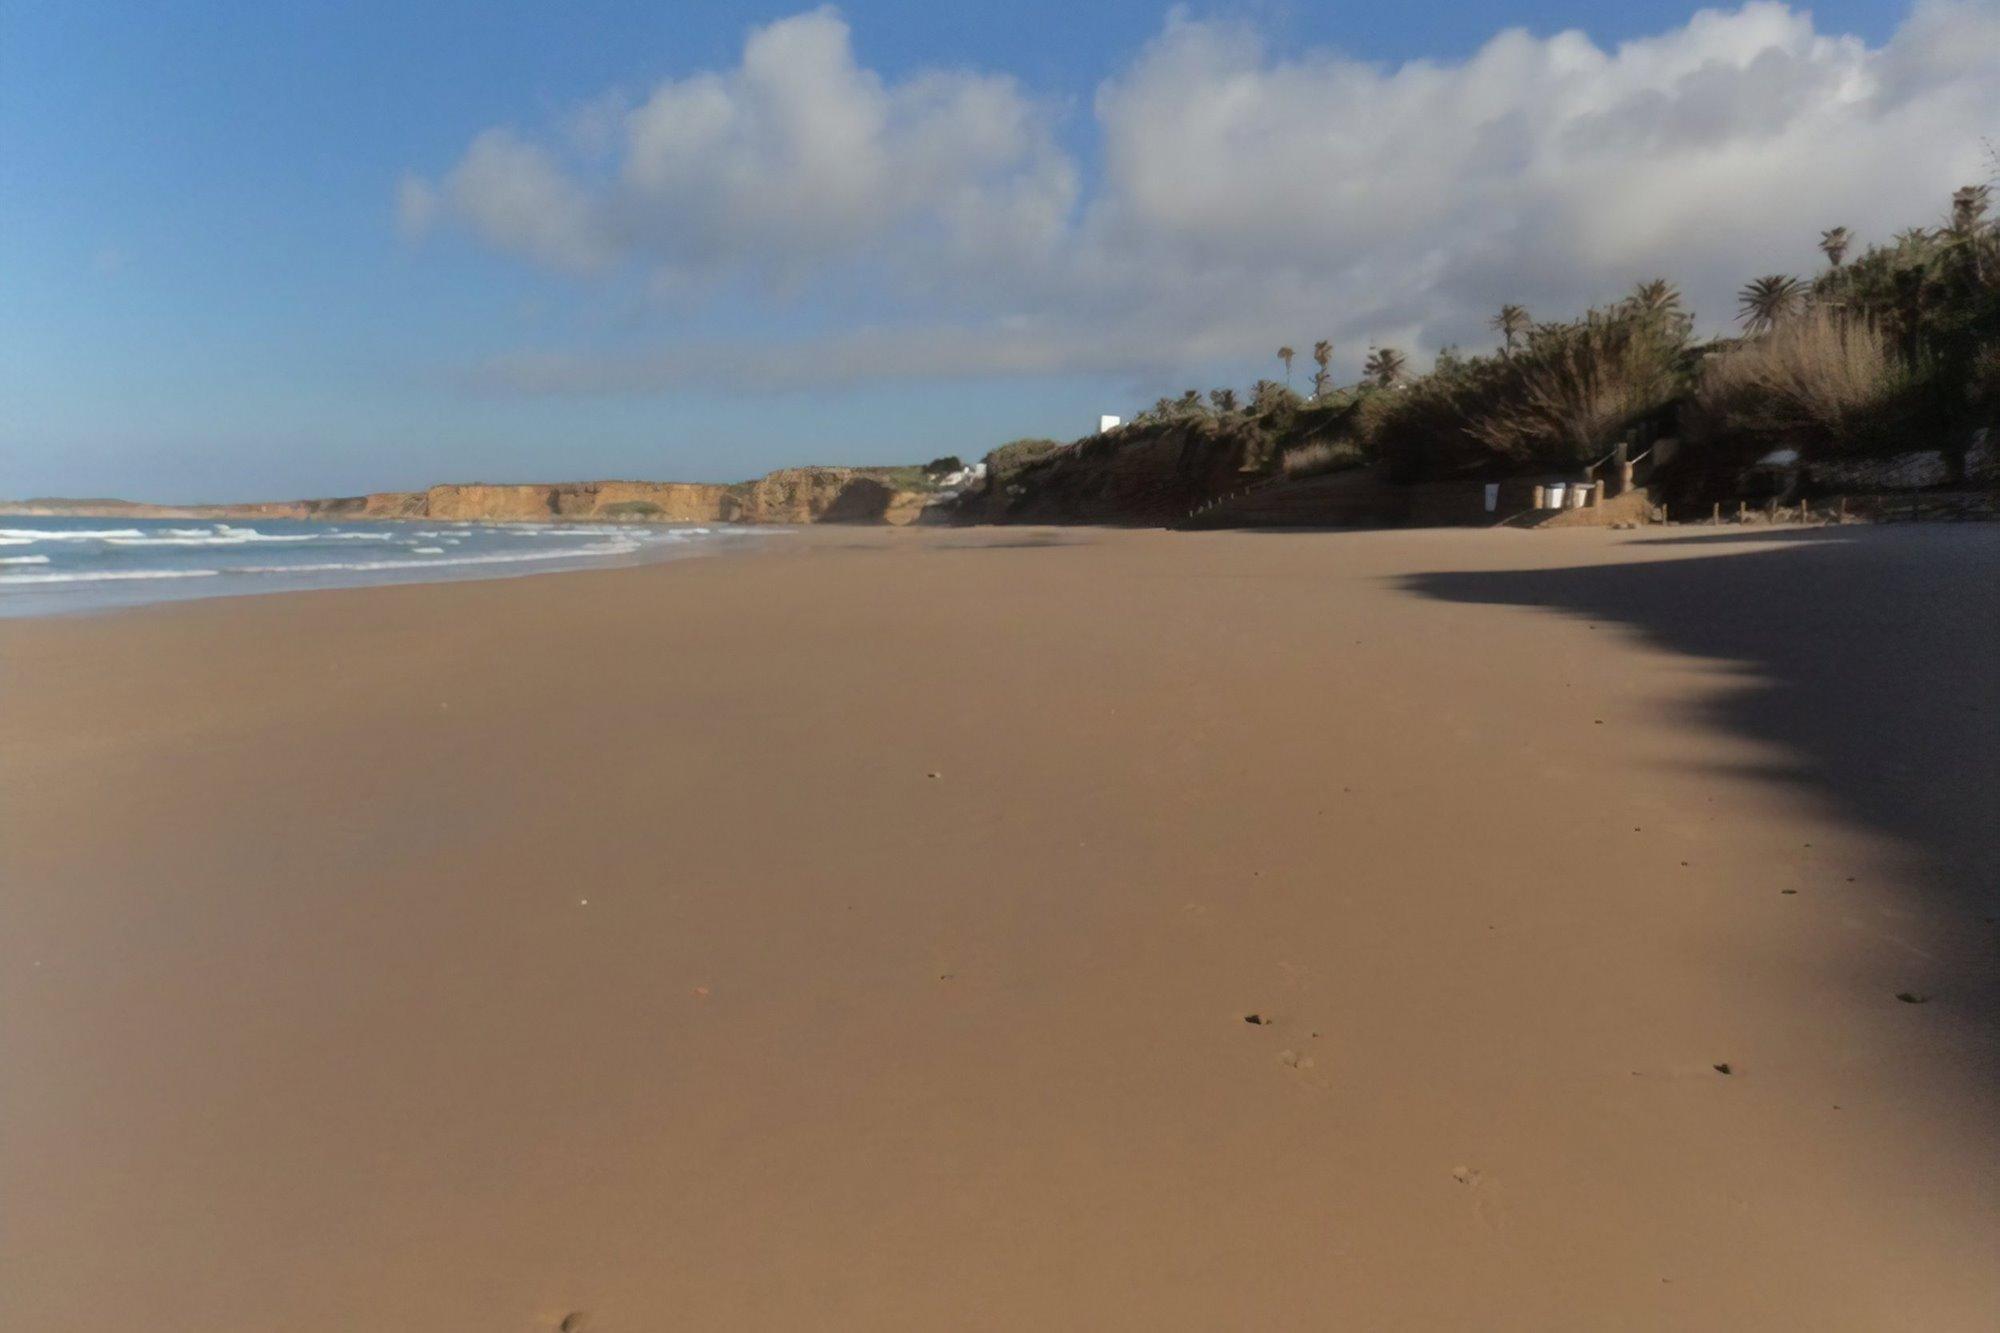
x=862 y=933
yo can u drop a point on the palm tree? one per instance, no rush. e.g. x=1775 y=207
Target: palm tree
x=1269 y=396
x=1968 y=206
x=1658 y=302
x=1285 y=354
x=1767 y=301
x=1655 y=296
x=1511 y=323
x=1384 y=366
x=1834 y=241
x=1323 y=358
x=1968 y=209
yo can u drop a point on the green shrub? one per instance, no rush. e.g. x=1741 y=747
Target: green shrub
x=1018 y=454
x=1560 y=401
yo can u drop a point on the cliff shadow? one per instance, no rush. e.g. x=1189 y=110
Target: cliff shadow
x=1871 y=660
x=859 y=500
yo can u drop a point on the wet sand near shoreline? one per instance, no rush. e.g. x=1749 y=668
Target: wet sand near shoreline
x=865 y=932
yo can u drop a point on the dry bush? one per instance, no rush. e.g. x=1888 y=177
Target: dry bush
x=1820 y=381
x=1312 y=460
x=1559 y=400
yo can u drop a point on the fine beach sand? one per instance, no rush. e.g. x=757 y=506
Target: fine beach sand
x=859 y=933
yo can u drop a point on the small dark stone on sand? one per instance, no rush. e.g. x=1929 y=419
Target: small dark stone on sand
x=1787 y=891
x=1723 y=1068
x=1911 y=997
x=574 y=1322
x=1257 y=1019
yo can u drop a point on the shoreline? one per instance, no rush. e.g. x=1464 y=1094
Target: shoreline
x=41 y=590
x=861 y=932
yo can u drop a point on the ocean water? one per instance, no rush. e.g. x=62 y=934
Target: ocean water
x=50 y=566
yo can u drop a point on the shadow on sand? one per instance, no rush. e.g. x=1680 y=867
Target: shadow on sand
x=1872 y=656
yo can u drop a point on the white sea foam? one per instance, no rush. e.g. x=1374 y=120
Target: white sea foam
x=109 y=576
x=372 y=566
x=144 y=555
x=21 y=536
x=248 y=536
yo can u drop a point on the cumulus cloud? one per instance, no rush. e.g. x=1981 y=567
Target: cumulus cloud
x=795 y=160
x=1244 y=197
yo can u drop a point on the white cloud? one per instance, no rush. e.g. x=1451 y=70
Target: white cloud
x=1246 y=198
x=795 y=160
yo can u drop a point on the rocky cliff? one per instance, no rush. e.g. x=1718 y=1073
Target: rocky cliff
x=791 y=495
x=826 y=495
x=659 y=502
x=1146 y=473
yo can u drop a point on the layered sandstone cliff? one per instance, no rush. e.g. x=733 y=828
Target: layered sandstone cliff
x=790 y=495
x=826 y=495
x=658 y=502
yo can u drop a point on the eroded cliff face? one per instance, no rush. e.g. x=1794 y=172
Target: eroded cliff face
x=480 y=501
x=791 y=495
x=656 y=501
x=825 y=495
x=1139 y=474
x=382 y=504
x=631 y=501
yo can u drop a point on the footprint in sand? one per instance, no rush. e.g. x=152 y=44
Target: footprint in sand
x=1302 y=1069
x=1487 y=1205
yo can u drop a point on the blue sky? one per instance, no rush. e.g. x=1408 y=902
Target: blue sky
x=257 y=250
